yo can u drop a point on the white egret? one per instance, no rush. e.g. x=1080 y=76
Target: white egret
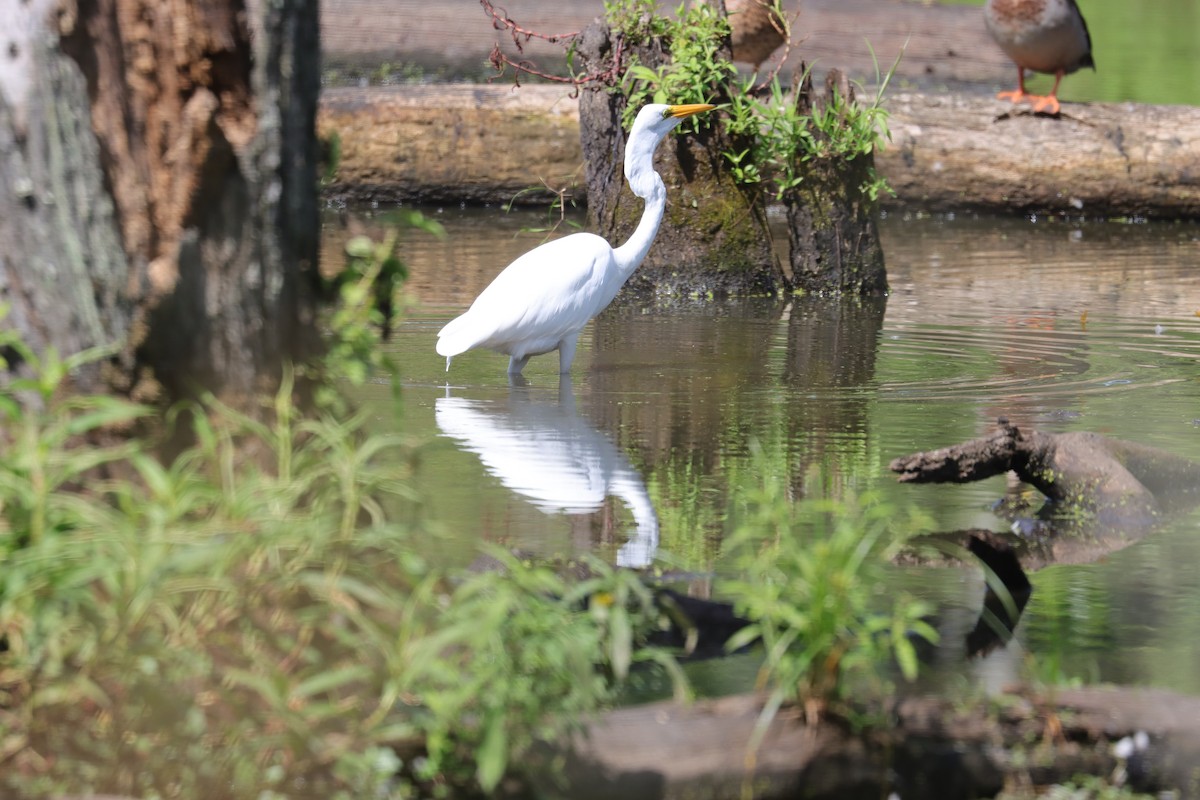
x=541 y=301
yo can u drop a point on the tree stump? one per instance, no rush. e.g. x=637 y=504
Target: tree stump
x=834 y=237
x=714 y=238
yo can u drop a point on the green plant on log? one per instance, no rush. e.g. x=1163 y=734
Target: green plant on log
x=698 y=69
x=638 y=21
x=785 y=141
x=776 y=139
x=811 y=581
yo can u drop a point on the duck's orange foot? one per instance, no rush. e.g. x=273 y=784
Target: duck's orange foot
x=1016 y=95
x=1047 y=104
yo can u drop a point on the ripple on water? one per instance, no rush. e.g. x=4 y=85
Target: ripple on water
x=992 y=361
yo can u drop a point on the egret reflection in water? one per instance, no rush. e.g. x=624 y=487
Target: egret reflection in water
x=544 y=451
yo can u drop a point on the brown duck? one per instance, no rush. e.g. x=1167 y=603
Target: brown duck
x=1047 y=36
x=757 y=29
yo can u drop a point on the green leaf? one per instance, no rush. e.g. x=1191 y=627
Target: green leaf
x=360 y=247
x=621 y=641
x=491 y=758
x=906 y=657
x=327 y=681
x=745 y=636
x=154 y=475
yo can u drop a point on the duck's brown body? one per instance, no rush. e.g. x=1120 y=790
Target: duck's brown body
x=1048 y=36
x=757 y=29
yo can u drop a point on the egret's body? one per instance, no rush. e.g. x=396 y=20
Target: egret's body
x=542 y=301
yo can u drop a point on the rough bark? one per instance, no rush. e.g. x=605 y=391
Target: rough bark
x=927 y=748
x=63 y=274
x=714 y=238
x=169 y=157
x=834 y=237
x=948 y=151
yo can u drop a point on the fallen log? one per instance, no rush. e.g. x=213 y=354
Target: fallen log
x=926 y=747
x=1101 y=494
x=949 y=151
x=1117 y=484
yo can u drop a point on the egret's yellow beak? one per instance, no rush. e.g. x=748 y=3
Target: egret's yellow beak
x=688 y=110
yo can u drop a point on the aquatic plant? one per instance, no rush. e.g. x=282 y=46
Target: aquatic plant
x=368 y=300
x=810 y=579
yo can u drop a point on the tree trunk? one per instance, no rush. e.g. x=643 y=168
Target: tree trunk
x=714 y=238
x=835 y=245
x=163 y=157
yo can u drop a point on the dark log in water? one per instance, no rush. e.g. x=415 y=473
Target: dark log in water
x=834 y=239
x=928 y=748
x=1116 y=484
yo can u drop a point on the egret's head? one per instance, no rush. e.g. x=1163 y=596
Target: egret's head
x=657 y=119
x=653 y=123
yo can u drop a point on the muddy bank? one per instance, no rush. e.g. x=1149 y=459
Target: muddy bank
x=949 y=151
x=394 y=39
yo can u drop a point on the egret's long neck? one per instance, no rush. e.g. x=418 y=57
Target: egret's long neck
x=646 y=184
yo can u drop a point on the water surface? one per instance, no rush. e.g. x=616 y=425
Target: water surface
x=1059 y=325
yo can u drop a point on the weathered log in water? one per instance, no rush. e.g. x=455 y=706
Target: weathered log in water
x=948 y=151
x=928 y=747
x=714 y=237
x=454 y=143
x=1117 y=484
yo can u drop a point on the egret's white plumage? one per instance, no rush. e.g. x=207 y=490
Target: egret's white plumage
x=541 y=301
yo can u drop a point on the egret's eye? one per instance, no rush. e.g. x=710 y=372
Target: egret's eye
x=666 y=112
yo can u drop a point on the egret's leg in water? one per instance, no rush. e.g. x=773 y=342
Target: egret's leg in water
x=566 y=352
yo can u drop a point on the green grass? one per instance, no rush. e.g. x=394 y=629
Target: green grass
x=255 y=618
